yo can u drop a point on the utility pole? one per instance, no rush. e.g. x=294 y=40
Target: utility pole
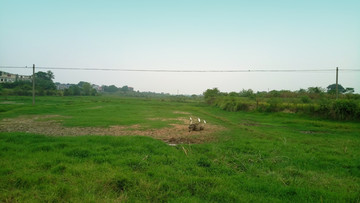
x=337 y=85
x=33 y=81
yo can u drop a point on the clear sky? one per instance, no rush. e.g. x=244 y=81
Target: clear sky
x=185 y=34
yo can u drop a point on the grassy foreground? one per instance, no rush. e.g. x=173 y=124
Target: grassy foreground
x=259 y=157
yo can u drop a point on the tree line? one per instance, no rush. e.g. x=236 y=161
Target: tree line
x=45 y=86
x=315 y=101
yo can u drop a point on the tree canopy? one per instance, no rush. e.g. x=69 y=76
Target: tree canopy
x=332 y=88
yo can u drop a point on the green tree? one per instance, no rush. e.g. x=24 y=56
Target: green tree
x=246 y=93
x=125 y=88
x=76 y=90
x=233 y=94
x=332 y=89
x=73 y=90
x=349 y=90
x=43 y=81
x=93 y=92
x=315 y=90
x=68 y=92
x=111 y=88
x=86 y=87
x=211 y=94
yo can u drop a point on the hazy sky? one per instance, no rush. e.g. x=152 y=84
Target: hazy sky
x=185 y=34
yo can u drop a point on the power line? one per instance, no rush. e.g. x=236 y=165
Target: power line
x=180 y=71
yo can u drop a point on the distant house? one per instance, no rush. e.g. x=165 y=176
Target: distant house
x=10 y=78
x=97 y=87
x=61 y=86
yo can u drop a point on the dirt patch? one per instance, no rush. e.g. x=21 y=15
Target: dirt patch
x=50 y=125
x=10 y=102
x=308 y=132
x=168 y=119
x=181 y=112
x=251 y=123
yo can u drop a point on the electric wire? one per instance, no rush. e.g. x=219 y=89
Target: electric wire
x=177 y=70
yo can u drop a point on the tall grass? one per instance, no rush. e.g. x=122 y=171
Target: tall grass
x=343 y=109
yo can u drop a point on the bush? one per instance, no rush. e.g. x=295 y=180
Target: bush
x=241 y=106
x=305 y=99
x=274 y=105
x=324 y=108
x=345 y=110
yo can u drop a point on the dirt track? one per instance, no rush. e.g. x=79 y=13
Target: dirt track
x=46 y=125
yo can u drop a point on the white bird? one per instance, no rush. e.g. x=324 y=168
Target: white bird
x=190 y=118
x=205 y=121
x=199 y=120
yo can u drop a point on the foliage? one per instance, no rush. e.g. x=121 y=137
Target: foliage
x=314 y=101
x=315 y=90
x=211 y=94
x=44 y=81
x=111 y=88
x=346 y=109
x=349 y=90
x=44 y=85
x=332 y=89
x=246 y=93
x=305 y=99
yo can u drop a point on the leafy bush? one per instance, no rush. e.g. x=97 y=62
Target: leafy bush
x=275 y=105
x=241 y=106
x=305 y=99
x=345 y=109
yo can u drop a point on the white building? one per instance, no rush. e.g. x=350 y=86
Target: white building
x=9 y=77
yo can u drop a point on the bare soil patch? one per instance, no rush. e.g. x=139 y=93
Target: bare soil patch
x=51 y=125
x=10 y=102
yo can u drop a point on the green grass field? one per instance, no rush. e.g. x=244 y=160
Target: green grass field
x=259 y=157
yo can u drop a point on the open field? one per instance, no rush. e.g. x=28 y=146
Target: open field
x=150 y=155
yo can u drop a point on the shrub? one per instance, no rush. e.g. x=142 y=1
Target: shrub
x=345 y=110
x=305 y=99
x=324 y=107
x=274 y=105
x=241 y=106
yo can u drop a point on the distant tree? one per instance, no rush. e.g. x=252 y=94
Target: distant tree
x=233 y=94
x=50 y=75
x=81 y=83
x=86 y=87
x=349 y=90
x=76 y=90
x=68 y=92
x=302 y=91
x=209 y=93
x=93 y=92
x=124 y=88
x=43 y=81
x=332 y=89
x=316 y=90
x=111 y=88
x=246 y=93
x=73 y=90
x=274 y=93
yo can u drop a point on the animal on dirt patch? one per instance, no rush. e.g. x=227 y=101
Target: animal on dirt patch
x=197 y=125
